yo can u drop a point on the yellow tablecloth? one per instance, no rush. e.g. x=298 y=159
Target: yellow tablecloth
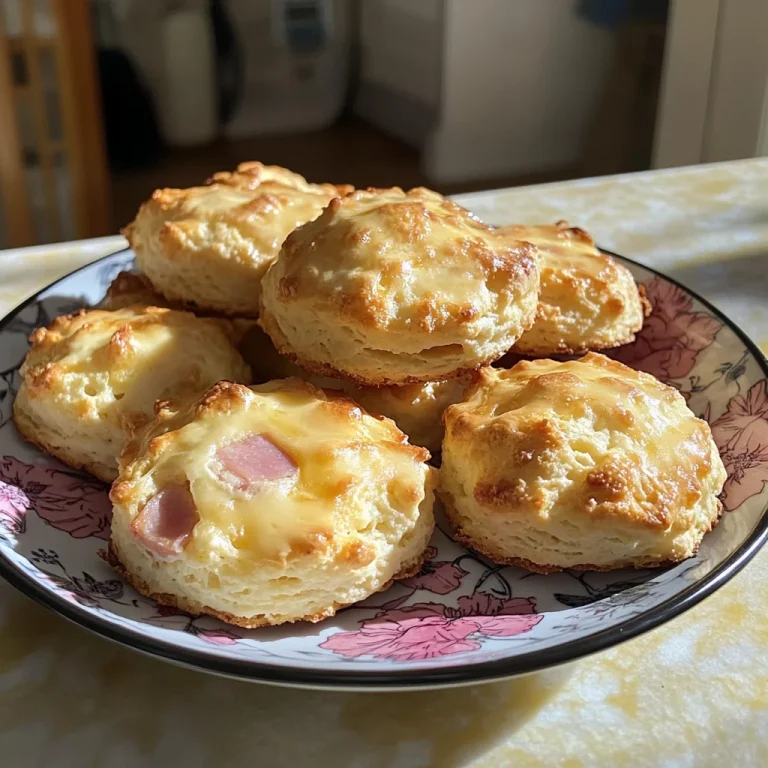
x=692 y=693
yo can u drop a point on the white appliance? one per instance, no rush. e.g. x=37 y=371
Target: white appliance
x=295 y=64
x=188 y=110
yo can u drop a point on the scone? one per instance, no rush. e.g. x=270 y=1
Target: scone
x=417 y=409
x=584 y=464
x=267 y=363
x=208 y=247
x=587 y=300
x=130 y=289
x=91 y=378
x=389 y=287
x=270 y=504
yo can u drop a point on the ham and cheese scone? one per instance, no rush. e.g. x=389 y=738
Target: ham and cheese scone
x=90 y=379
x=130 y=289
x=275 y=503
x=587 y=301
x=584 y=464
x=388 y=287
x=208 y=247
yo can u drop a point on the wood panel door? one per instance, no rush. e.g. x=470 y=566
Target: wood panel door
x=54 y=181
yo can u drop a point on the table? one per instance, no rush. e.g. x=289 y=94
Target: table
x=691 y=693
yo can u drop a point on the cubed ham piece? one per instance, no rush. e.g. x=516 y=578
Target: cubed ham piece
x=256 y=459
x=166 y=522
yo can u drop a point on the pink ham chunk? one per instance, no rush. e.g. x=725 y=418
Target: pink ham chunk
x=256 y=459
x=166 y=522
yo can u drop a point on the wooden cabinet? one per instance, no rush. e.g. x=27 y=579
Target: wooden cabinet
x=53 y=172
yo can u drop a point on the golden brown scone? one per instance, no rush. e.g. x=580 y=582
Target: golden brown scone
x=270 y=504
x=91 y=378
x=584 y=464
x=268 y=364
x=587 y=299
x=208 y=247
x=417 y=409
x=388 y=287
x=130 y=289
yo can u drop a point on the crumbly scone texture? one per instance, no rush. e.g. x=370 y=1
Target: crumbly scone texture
x=249 y=622
x=587 y=300
x=357 y=513
x=208 y=247
x=580 y=464
x=389 y=287
x=90 y=379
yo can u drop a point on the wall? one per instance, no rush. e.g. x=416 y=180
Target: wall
x=714 y=101
x=519 y=82
x=739 y=78
x=398 y=88
x=401 y=46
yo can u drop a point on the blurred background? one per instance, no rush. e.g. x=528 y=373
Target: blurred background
x=102 y=101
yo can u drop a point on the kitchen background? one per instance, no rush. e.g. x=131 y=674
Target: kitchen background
x=103 y=101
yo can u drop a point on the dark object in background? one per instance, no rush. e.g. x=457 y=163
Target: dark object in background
x=130 y=124
x=229 y=61
x=614 y=13
x=620 y=137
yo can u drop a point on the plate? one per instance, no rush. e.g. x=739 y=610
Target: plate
x=461 y=619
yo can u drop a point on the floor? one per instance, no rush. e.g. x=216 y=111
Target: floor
x=350 y=152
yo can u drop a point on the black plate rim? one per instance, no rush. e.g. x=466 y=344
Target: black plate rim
x=405 y=678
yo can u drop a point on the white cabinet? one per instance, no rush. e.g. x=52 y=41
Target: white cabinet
x=714 y=99
x=487 y=88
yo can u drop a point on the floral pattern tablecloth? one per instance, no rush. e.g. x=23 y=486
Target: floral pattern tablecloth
x=693 y=693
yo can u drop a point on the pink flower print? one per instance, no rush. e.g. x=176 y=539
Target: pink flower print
x=217 y=636
x=741 y=434
x=65 y=500
x=438 y=576
x=420 y=631
x=672 y=337
x=430 y=630
x=666 y=298
x=13 y=508
x=171 y=617
x=500 y=618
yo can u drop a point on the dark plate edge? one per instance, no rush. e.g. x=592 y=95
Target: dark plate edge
x=466 y=674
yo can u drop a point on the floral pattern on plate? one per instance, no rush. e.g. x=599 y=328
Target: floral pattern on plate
x=459 y=610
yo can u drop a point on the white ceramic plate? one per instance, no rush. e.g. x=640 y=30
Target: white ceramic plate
x=462 y=619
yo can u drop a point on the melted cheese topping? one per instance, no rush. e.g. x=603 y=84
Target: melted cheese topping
x=408 y=261
x=351 y=467
x=564 y=252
